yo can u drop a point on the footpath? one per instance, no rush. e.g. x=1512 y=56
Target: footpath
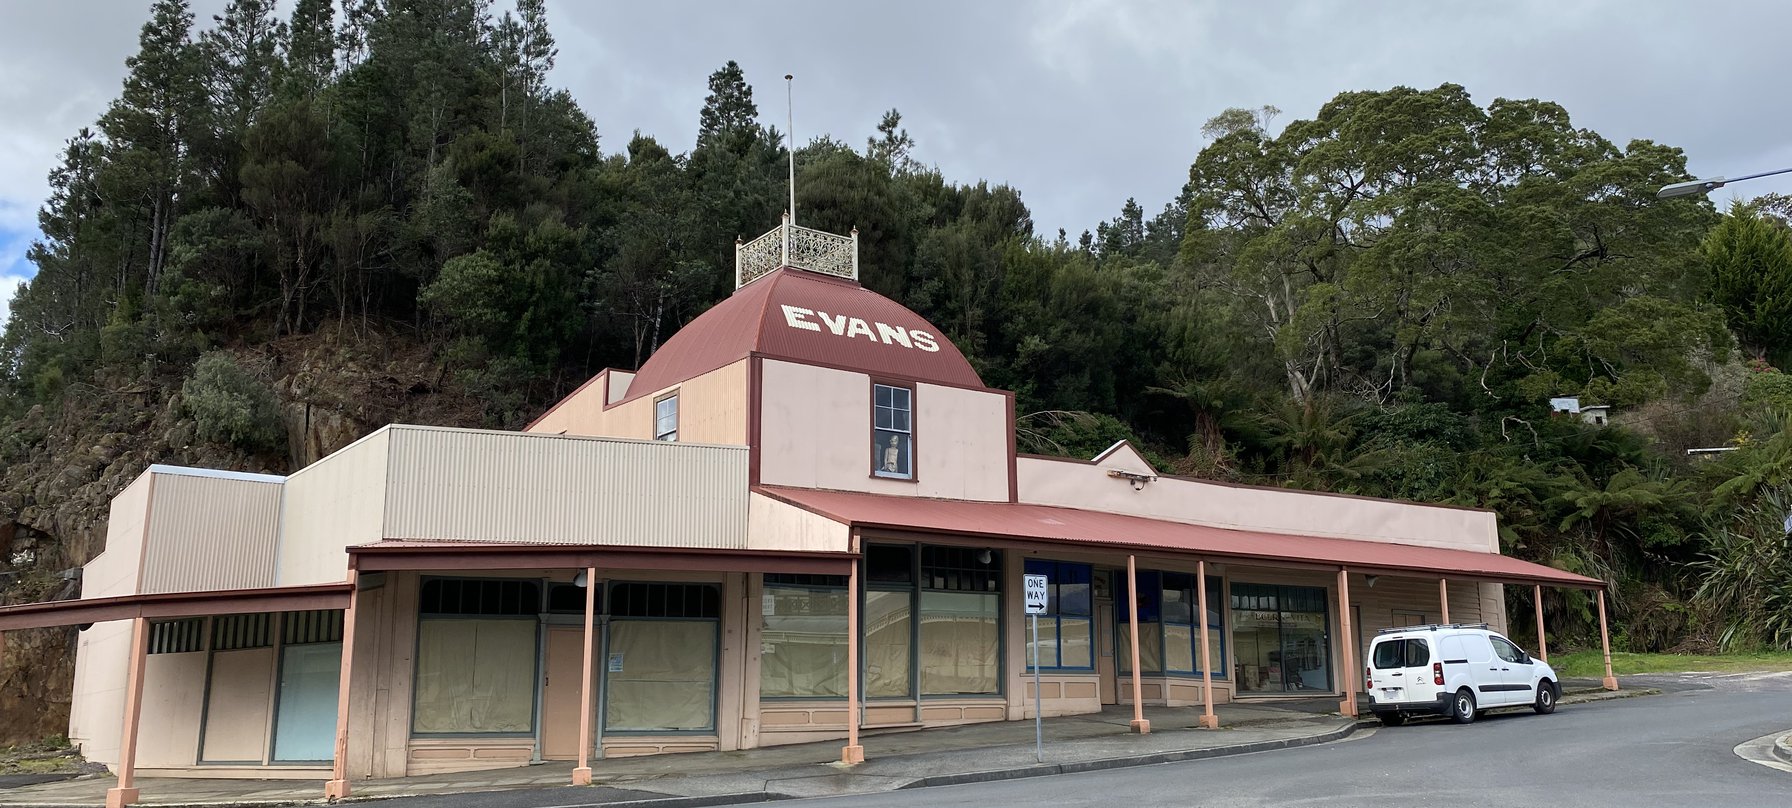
x=915 y=759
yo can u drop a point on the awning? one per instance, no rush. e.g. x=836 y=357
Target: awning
x=83 y=611
x=465 y=555
x=1046 y=523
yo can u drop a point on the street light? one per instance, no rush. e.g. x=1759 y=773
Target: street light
x=1694 y=187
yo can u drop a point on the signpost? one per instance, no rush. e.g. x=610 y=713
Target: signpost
x=1036 y=588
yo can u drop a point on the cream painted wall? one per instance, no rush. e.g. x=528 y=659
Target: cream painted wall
x=329 y=505
x=712 y=408
x=815 y=432
x=118 y=568
x=774 y=525
x=173 y=690
x=1082 y=485
x=236 y=729
x=102 y=657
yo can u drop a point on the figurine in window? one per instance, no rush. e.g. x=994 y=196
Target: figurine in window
x=892 y=455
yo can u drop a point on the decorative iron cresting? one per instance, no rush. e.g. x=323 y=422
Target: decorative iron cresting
x=789 y=245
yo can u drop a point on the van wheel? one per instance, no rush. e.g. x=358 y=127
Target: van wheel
x=1546 y=697
x=1391 y=719
x=1462 y=709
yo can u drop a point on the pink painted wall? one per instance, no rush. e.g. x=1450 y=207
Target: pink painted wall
x=815 y=432
x=1084 y=485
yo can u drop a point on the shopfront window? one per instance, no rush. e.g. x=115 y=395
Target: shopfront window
x=476 y=652
x=803 y=636
x=1065 y=628
x=1280 y=634
x=1182 y=627
x=1169 y=636
x=932 y=621
x=660 y=664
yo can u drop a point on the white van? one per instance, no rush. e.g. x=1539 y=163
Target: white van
x=1455 y=670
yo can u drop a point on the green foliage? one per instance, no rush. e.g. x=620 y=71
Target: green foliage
x=1749 y=257
x=229 y=405
x=1746 y=575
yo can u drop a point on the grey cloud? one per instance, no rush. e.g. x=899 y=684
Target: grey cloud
x=1078 y=104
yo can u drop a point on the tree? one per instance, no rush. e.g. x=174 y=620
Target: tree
x=310 y=58
x=1749 y=257
x=149 y=129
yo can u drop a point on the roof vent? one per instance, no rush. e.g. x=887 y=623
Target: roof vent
x=790 y=245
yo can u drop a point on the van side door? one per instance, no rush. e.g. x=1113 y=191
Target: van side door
x=1484 y=673
x=1515 y=671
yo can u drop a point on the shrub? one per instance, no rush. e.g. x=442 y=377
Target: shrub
x=229 y=405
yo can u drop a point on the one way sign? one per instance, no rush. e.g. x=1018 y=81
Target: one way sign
x=1036 y=594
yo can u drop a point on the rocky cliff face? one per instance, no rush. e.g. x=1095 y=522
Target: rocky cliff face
x=60 y=468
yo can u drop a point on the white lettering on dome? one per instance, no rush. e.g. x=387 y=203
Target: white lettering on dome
x=842 y=325
x=893 y=335
x=793 y=316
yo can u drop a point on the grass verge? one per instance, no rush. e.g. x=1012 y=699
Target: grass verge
x=1589 y=664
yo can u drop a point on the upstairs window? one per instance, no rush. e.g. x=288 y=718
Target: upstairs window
x=893 y=432
x=665 y=418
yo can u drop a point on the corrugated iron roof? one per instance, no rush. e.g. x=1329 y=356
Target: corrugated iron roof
x=831 y=322
x=1076 y=526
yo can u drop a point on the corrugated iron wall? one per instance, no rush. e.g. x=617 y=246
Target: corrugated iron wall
x=468 y=485
x=211 y=533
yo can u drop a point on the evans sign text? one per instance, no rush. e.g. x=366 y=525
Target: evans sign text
x=841 y=325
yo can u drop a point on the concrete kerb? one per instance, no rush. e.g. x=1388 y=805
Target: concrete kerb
x=1047 y=770
x=1782 y=747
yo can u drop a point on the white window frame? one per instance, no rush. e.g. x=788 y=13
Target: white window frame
x=660 y=432
x=877 y=431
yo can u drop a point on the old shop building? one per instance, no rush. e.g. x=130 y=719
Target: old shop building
x=803 y=518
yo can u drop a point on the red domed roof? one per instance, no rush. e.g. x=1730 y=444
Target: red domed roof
x=810 y=318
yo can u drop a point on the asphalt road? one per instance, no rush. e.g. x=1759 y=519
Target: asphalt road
x=1668 y=750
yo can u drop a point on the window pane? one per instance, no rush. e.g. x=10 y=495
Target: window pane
x=475 y=676
x=1390 y=655
x=1418 y=654
x=1076 y=650
x=667 y=676
x=1151 y=647
x=1072 y=600
x=883 y=395
x=885 y=418
x=1179 y=597
x=891 y=564
x=960 y=652
x=887 y=660
x=1048 y=642
x=803 y=644
x=891 y=451
x=1179 y=648
x=1216 y=650
x=899 y=421
x=899 y=398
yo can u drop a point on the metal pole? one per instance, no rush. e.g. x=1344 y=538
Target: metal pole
x=1038 y=703
x=790 y=112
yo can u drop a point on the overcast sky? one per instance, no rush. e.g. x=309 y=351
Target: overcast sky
x=1078 y=104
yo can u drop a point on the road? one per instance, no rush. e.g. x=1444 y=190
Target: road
x=1668 y=750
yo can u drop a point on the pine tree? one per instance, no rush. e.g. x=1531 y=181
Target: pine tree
x=310 y=49
x=150 y=129
x=728 y=111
